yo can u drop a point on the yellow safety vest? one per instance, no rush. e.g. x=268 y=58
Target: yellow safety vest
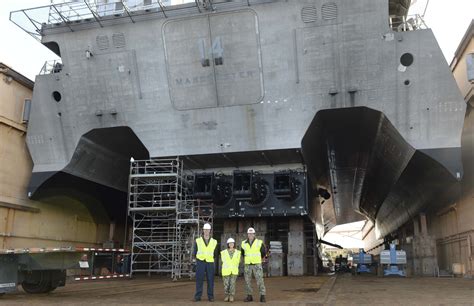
x=230 y=266
x=252 y=254
x=205 y=252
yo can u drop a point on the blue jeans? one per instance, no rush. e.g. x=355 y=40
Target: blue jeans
x=202 y=268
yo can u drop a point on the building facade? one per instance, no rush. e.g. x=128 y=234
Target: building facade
x=454 y=226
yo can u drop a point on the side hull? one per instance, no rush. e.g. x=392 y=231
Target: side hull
x=370 y=170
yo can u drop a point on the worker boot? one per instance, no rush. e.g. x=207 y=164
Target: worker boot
x=226 y=298
x=249 y=298
x=231 y=298
x=262 y=299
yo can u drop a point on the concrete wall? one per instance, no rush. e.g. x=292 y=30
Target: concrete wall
x=26 y=223
x=454 y=226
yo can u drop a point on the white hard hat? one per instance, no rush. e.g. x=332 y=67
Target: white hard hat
x=230 y=240
x=206 y=226
x=251 y=230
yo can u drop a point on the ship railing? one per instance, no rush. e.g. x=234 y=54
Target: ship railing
x=407 y=23
x=62 y=16
x=51 y=66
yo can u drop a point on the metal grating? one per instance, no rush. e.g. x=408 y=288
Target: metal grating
x=118 y=40
x=329 y=11
x=309 y=14
x=102 y=42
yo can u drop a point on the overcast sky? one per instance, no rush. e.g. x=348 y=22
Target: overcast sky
x=448 y=20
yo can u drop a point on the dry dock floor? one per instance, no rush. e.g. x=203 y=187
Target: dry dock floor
x=320 y=290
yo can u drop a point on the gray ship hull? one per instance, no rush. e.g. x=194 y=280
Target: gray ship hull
x=254 y=76
x=370 y=170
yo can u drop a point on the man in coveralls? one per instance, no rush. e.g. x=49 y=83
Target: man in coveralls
x=204 y=251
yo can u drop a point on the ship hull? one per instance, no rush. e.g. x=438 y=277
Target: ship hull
x=371 y=171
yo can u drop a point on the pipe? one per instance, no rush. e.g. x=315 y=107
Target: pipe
x=10 y=235
x=331 y=244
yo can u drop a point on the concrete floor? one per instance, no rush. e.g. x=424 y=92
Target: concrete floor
x=322 y=290
x=372 y=290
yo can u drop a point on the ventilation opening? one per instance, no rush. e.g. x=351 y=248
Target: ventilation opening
x=470 y=67
x=118 y=40
x=329 y=11
x=57 y=96
x=26 y=110
x=309 y=14
x=406 y=59
x=407 y=82
x=102 y=42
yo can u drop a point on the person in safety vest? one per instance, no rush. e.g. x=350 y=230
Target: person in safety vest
x=230 y=269
x=253 y=250
x=204 y=251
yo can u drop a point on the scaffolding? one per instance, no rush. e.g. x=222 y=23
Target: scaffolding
x=165 y=217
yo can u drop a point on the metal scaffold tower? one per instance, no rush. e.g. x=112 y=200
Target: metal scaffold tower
x=165 y=217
